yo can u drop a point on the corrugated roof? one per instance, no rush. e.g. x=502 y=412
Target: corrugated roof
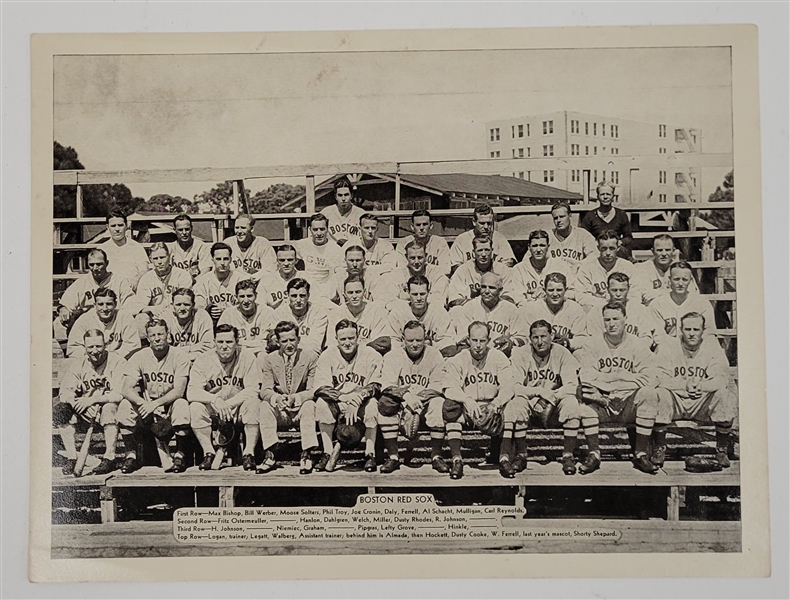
x=489 y=185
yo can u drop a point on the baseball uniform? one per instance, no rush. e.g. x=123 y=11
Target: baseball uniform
x=437 y=282
x=78 y=297
x=592 y=281
x=320 y=264
x=525 y=284
x=254 y=329
x=465 y=282
x=652 y=282
x=638 y=322
x=666 y=314
x=377 y=285
x=373 y=321
x=195 y=260
x=503 y=319
x=157 y=292
x=273 y=289
x=569 y=321
x=312 y=325
x=258 y=258
x=129 y=261
x=342 y=227
x=210 y=291
x=195 y=337
x=82 y=379
x=490 y=380
x=439 y=328
x=462 y=249
x=437 y=251
x=120 y=333
x=381 y=254
x=558 y=371
x=579 y=245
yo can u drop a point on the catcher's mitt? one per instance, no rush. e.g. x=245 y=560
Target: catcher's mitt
x=161 y=427
x=490 y=421
x=701 y=464
x=349 y=436
x=410 y=424
x=223 y=434
x=542 y=411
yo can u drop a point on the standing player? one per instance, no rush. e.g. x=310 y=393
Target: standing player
x=344 y=215
x=272 y=288
x=547 y=377
x=439 y=328
x=252 y=254
x=484 y=225
x=214 y=291
x=376 y=287
x=155 y=398
x=252 y=320
x=526 y=278
x=378 y=253
x=118 y=326
x=188 y=328
x=572 y=244
x=372 y=318
x=608 y=217
x=321 y=258
x=91 y=390
x=417 y=369
x=693 y=385
x=354 y=372
x=416 y=264
x=223 y=389
x=189 y=253
x=287 y=389
x=465 y=282
x=618 y=380
x=155 y=288
x=311 y=318
x=592 y=276
x=128 y=257
x=653 y=275
x=566 y=317
x=638 y=321
x=436 y=248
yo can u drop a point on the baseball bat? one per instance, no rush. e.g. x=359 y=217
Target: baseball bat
x=86 y=444
x=219 y=457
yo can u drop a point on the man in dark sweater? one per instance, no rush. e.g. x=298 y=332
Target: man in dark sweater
x=607 y=216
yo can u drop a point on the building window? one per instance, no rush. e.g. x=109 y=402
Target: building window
x=513 y=152
x=680 y=198
x=521 y=131
x=615 y=177
x=573 y=175
x=603 y=175
x=595 y=128
x=494 y=134
x=527 y=129
x=586 y=150
x=574 y=149
x=548 y=127
x=521 y=152
x=529 y=152
x=615 y=131
x=662 y=197
x=595 y=150
x=680 y=179
x=586 y=128
x=548 y=150
x=574 y=126
x=495 y=154
x=595 y=175
x=662 y=150
x=662 y=131
x=513 y=131
x=662 y=177
x=548 y=176
x=615 y=151
x=521 y=174
x=603 y=130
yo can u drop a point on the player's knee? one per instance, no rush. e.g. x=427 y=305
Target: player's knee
x=126 y=415
x=250 y=410
x=62 y=413
x=179 y=414
x=108 y=414
x=306 y=411
x=199 y=415
x=452 y=411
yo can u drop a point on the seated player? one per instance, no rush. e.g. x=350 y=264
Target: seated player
x=465 y=282
x=344 y=215
x=693 y=385
x=637 y=319
x=483 y=225
x=371 y=318
x=252 y=255
x=667 y=308
x=526 y=278
x=311 y=318
x=567 y=318
x=416 y=265
x=506 y=323
x=287 y=389
x=252 y=320
x=188 y=328
x=439 y=328
x=618 y=380
x=377 y=287
x=189 y=253
x=222 y=391
x=547 y=377
x=272 y=288
x=214 y=291
x=118 y=326
x=90 y=390
x=436 y=248
x=479 y=379
x=410 y=381
x=378 y=253
x=572 y=244
x=349 y=375
x=653 y=275
x=321 y=256
x=593 y=273
x=154 y=397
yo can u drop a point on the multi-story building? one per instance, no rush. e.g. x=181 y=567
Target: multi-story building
x=604 y=146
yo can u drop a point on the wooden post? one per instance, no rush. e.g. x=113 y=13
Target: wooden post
x=395 y=221
x=673 y=504
x=235 y=198
x=109 y=509
x=79 y=202
x=586 y=186
x=520 y=495
x=310 y=194
x=371 y=489
x=227 y=496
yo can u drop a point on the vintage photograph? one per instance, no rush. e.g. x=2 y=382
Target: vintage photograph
x=446 y=301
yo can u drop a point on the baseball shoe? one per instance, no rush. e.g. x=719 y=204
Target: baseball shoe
x=179 y=465
x=370 y=463
x=248 y=462
x=269 y=463
x=457 y=470
x=130 y=465
x=390 y=465
x=659 y=456
x=506 y=469
x=439 y=464
x=642 y=463
x=322 y=462
x=591 y=464
x=105 y=466
x=734 y=449
x=722 y=458
x=333 y=458
x=520 y=463
x=68 y=466
x=207 y=460
x=569 y=464
x=305 y=463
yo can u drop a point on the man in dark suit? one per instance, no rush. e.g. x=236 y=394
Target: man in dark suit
x=287 y=393
x=607 y=216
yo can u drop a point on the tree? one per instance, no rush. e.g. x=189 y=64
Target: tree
x=167 y=203
x=722 y=218
x=272 y=199
x=218 y=200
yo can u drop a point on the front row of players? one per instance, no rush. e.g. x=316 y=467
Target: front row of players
x=348 y=393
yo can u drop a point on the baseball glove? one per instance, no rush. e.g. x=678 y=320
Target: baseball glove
x=161 y=427
x=591 y=395
x=490 y=421
x=504 y=343
x=542 y=411
x=701 y=464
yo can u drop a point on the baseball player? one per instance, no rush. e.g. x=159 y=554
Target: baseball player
x=321 y=258
x=377 y=287
x=484 y=225
x=372 y=318
x=154 y=397
x=572 y=244
x=252 y=254
x=188 y=328
x=344 y=215
x=311 y=318
x=214 y=291
x=593 y=274
x=223 y=389
x=436 y=248
x=416 y=264
x=128 y=257
x=252 y=320
x=608 y=217
x=479 y=379
x=287 y=389
x=693 y=385
x=653 y=275
x=378 y=253
x=91 y=390
x=667 y=308
x=465 y=282
x=272 y=288
x=439 y=328
x=618 y=380
x=505 y=322
x=354 y=372
x=638 y=321
x=547 y=377
x=526 y=278
x=417 y=371
x=189 y=253
x=567 y=318
x=118 y=326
